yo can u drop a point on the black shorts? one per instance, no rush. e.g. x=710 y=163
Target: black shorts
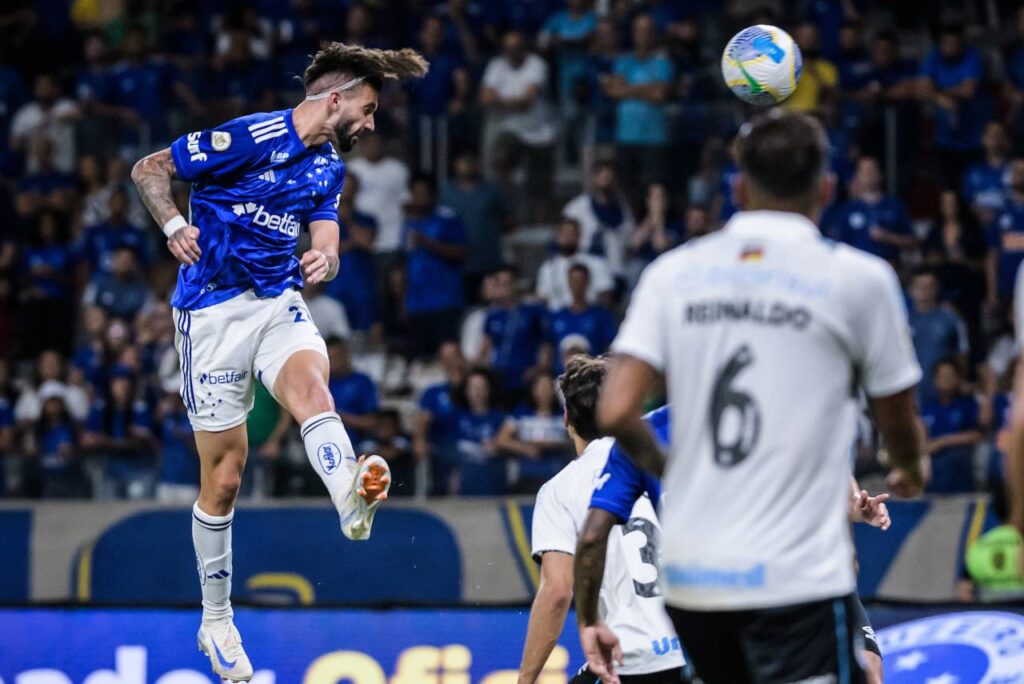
x=773 y=645
x=674 y=676
x=867 y=632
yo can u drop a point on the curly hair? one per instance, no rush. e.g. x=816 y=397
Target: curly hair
x=356 y=61
x=581 y=388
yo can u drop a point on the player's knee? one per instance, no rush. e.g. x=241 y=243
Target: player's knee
x=226 y=483
x=312 y=399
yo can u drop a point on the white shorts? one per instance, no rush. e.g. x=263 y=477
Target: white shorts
x=225 y=348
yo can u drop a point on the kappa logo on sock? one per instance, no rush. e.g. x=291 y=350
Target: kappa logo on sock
x=330 y=457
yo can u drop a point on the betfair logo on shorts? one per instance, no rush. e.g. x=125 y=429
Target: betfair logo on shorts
x=283 y=223
x=223 y=377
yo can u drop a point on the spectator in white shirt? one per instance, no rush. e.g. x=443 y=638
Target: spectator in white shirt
x=383 y=190
x=51 y=116
x=521 y=126
x=327 y=312
x=553 y=276
x=605 y=219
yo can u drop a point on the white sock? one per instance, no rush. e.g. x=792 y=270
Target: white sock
x=330 y=453
x=211 y=537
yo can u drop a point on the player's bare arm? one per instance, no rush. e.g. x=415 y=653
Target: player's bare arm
x=896 y=419
x=152 y=176
x=620 y=410
x=320 y=263
x=547 y=615
x=600 y=645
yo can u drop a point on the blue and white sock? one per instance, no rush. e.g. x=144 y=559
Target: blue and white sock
x=211 y=537
x=330 y=453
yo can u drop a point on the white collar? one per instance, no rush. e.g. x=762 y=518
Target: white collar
x=765 y=223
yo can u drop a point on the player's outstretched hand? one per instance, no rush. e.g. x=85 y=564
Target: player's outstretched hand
x=603 y=652
x=872 y=509
x=184 y=245
x=315 y=266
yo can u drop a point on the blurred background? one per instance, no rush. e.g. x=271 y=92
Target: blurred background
x=567 y=143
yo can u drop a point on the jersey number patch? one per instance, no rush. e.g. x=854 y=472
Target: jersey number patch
x=648 y=554
x=735 y=418
x=298 y=314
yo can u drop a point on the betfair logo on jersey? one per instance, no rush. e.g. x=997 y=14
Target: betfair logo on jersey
x=193 y=147
x=283 y=223
x=222 y=377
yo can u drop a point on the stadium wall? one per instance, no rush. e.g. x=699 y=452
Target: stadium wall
x=444 y=552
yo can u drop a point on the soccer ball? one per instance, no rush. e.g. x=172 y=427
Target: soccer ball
x=761 y=65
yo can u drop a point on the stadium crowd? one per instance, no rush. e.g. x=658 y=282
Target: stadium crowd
x=493 y=225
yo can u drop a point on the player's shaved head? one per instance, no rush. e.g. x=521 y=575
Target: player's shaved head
x=783 y=160
x=581 y=388
x=336 y=63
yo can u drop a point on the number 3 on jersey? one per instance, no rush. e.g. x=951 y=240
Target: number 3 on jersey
x=735 y=418
x=648 y=554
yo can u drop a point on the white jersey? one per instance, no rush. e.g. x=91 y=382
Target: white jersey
x=630 y=601
x=764 y=331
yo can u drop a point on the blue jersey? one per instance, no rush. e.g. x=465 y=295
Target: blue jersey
x=622 y=482
x=983 y=186
x=856 y=218
x=254 y=185
x=1005 y=235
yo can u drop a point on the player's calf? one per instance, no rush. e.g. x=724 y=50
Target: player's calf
x=356 y=486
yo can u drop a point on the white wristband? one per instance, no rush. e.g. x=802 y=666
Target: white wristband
x=174 y=225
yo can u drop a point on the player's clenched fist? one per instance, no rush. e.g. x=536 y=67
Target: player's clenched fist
x=317 y=266
x=184 y=245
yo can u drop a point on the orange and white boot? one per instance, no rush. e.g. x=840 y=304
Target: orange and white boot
x=370 y=488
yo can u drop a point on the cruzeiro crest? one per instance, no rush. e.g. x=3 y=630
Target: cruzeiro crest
x=980 y=647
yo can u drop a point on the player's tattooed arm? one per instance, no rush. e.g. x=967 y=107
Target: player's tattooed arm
x=600 y=645
x=152 y=176
x=588 y=565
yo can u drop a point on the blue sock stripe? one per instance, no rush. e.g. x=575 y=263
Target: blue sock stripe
x=212 y=526
x=317 y=423
x=842 y=641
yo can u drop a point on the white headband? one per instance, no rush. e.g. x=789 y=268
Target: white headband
x=337 y=89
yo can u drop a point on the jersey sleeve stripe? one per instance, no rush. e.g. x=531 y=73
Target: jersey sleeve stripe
x=268 y=129
x=268 y=122
x=268 y=136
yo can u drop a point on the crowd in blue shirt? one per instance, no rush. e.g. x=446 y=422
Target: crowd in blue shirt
x=923 y=116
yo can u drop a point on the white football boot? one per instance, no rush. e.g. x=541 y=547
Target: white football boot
x=220 y=641
x=369 y=488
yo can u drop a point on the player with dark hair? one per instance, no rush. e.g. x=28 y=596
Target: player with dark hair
x=630 y=598
x=764 y=332
x=256 y=182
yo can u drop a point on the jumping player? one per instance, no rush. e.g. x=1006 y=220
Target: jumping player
x=256 y=181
